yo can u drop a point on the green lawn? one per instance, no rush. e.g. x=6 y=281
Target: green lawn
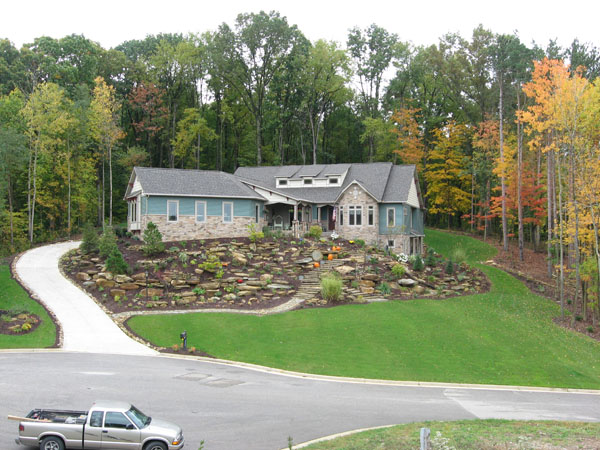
x=505 y=336
x=473 y=435
x=14 y=298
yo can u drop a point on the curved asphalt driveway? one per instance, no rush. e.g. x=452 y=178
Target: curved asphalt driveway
x=85 y=327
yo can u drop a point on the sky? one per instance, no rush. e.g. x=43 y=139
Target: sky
x=111 y=22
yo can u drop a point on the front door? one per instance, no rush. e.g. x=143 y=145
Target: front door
x=331 y=224
x=119 y=432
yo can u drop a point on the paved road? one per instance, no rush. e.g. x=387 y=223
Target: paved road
x=234 y=408
x=85 y=326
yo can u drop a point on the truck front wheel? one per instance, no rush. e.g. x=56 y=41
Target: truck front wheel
x=155 y=446
x=52 y=443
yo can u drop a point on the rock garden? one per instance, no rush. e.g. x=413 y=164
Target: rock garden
x=18 y=322
x=258 y=273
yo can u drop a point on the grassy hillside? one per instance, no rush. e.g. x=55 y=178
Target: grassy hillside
x=505 y=336
x=14 y=298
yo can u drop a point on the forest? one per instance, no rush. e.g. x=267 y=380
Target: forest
x=505 y=134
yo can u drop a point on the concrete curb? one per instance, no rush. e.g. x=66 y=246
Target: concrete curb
x=337 y=379
x=335 y=436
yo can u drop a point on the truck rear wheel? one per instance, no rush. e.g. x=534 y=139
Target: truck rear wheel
x=156 y=445
x=52 y=443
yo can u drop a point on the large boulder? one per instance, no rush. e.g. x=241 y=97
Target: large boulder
x=344 y=270
x=407 y=282
x=105 y=284
x=129 y=286
x=82 y=276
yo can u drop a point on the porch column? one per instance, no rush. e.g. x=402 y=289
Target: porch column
x=295 y=227
x=319 y=214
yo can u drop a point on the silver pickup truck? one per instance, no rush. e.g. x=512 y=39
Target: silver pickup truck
x=107 y=425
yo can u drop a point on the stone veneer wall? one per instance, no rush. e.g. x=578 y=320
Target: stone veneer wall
x=187 y=228
x=366 y=232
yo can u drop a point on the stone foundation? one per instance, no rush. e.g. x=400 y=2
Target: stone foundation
x=186 y=228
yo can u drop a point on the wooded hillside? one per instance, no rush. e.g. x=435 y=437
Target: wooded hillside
x=505 y=134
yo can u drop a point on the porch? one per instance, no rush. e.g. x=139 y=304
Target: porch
x=296 y=218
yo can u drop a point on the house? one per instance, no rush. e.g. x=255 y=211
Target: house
x=379 y=203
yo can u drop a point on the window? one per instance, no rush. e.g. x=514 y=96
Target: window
x=133 y=211
x=308 y=181
x=407 y=224
x=371 y=215
x=256 y=213
x=333 y=181
x=96 y=419
x=282 y=182
x=391 y=217
x=354 y=215
x=341 y=215
x=227 y=212
x=172 y=210
x=390 y=243
x=201 y=212
x=116 y=420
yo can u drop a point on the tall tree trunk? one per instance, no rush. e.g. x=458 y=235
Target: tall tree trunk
x=561 y=280
x=32 y=195
x=258 y=140
x=110 y=186
x=103 y=196
x=10 y=214
x=551 y=198
x=520 y=174
x=503 y=177
x=576 y=241
x=69 y=189
x=596 y=313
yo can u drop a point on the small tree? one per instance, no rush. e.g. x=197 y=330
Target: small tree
x=89 y=241
x=153 y=240
x=418 y=264
x=115 y=262
x=107 y=242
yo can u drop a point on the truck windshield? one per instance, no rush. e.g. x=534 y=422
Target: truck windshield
x=139 y=418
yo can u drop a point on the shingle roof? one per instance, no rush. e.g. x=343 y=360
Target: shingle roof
x=200 y=183
x=384 y=181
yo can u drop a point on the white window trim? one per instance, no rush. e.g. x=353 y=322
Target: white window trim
x=176 y=211
x=223 y=212
x=387 y=217
x=358 y=211
x=257 y=213
x=341 y=214
x=201 y=202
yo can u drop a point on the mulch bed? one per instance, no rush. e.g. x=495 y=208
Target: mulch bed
x=18 y=323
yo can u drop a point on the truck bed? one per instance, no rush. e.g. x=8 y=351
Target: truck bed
x=58 y=416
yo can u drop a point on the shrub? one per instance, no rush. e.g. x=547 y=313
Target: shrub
x=398 y=270
x=212 y=264
x=153 y=240
x=108 y=241
x=430 y=259
x=89 y=241
x=590 y=329
x=331 y=287
x=418 y=264
x=115 y=262
x=315 y=232
x=360 y=243
x=384 y=288
x=449 y=267
x=183 y=257
x=255 y=235
x=459 y=255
